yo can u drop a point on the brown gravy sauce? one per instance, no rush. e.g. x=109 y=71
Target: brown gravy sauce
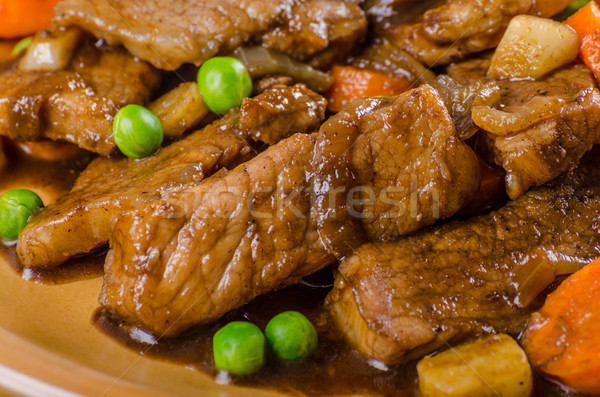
x=334 y=369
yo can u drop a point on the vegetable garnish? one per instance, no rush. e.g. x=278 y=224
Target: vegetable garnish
x=570 y=10
x=224 y=82
x=532 y=47
x=350 y=83
x=562 y=339
x=239 y=348
x=137 y=131
x=586 y=23
x=262 y=61
x=492 y=366
x=16 y=207
x=291 y=336
x=24 y=17
x=21 y=46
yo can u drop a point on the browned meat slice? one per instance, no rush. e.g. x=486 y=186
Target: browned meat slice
x=77 y=104
x=196 y=255
x=536 y=130
x=281 y=111
x=169 y=33
x=450 y=30
x=554 y=142
x=400 y=300
x=402 y=162
x=324 y=29
x=193 y=257
x=80 y=221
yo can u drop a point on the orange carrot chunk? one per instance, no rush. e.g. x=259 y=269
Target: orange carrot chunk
x=24 y=17
x=562 y=340
x=586 y=22
x=350 y=83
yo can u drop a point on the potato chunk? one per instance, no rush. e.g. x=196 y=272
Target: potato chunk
x=491 y=366
x=532 y=47
x=180 y=109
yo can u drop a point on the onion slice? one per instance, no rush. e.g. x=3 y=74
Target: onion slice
x=511 y=119
x=262 y=61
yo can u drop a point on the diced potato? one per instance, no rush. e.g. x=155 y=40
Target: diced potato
x=180 y=109
x=50 y=51
x=532 y=47
x=492 y=366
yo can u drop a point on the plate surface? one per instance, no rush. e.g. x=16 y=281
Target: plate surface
x=49 y=345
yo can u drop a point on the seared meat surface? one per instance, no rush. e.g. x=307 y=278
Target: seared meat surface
x=192 y=257
x=169 y=33
x=546 y=149
x=80 y=221
x=280 y=112
x=77 y=104
x=451 y=30
x=400 y=300
x=535 y=149
x=324 y=29
x=401 y=161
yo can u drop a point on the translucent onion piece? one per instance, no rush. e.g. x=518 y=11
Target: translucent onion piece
x=50 y=51
x=532 y=277
x=262 y=61
x=458 y=99
x=515 y=118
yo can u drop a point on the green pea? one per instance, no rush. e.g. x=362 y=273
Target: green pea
x=239 y=348
x=16 y=207
x=570 y=10
x=137 y=131
x=291 y=336
x=21 y=46
x=224 y=82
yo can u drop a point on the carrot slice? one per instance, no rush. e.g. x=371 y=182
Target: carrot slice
x=491 y=190
x=586 y=22
x=24 y=17
x=350 y=83
x=562 y=340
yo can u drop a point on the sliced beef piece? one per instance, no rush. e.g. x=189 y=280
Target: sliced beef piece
x=169 y=33
x=80 y=221
x=555 y=144
x=76 y=104
x=400 y=300
x=401 y=162
x=281 y=111
x=451 y=30
x=324 y=30
x=194 y=256
x=472 y=70
x=535 y=130
x=191 y=257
